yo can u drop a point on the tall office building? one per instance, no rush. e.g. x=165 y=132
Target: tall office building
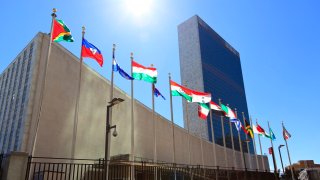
x=14 y=97
x=208 y=63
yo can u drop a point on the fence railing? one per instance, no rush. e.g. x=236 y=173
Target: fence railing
x=45 y=168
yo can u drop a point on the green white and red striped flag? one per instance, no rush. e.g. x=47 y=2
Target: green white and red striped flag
x=203 y=110
x=228 y=112
x=215 y=106
x=188 y=94
x=140 y=72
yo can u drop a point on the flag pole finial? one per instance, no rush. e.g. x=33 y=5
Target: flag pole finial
x=54 y=10
x=83 y=29
x=131 y=54
x=114 y=46
x=169 y=75
x=151 y=65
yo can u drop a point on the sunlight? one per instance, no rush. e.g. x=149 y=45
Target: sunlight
x=139 y=8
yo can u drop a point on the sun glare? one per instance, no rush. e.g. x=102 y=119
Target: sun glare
x=139 y=8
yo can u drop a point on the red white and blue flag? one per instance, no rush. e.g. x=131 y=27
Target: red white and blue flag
x=286 y=134
x=90 y=51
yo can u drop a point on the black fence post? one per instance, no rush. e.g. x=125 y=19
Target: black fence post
x=28 y=167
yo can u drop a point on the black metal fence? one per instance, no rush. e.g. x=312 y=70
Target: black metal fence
x=44 y=168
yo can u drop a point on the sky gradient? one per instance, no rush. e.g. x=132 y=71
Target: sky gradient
x=278 y=42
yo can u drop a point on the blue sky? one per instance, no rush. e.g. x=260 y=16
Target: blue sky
x=278 y=43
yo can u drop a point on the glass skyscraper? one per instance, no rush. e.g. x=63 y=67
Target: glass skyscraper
x=208 y=63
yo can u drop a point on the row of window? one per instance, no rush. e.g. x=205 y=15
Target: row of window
x=14 y=88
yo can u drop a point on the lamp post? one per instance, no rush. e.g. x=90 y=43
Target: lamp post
x=280 y=146
x=113 y=102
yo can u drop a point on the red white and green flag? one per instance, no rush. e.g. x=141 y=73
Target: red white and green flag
x=140 y=72
x=258 y=129
x=228 y=112
x=188 y=94
x=286 y=134
x=203 y=110
x=215 y=106
x=61 y=32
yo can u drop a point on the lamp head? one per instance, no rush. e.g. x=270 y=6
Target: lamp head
x=115 y=133
x=115 y=101
x=281 y=145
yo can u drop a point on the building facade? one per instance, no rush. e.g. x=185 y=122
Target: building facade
x=215 y=67
x=59 y=134
x=15 y=83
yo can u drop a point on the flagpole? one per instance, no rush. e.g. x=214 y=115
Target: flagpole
x=76 y=110
x=292 y=175
x=273 y=156
x=43 y=87
x=172 y=124
x=154 y=131
x=262 y=160
x=213 y=139
x=248 y=149
x=132 y=123
x=254 y=145
x=232 y=143
x=240 y=142
x=224 y=138
x=187 y=118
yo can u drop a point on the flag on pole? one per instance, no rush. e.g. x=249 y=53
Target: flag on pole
x=203 y=110
x=140 y=72
x=157 y=93
x=215 y=106
x=286 y=134
x=272 y=136
x=237 y=123
x=201 y=97
x=248 y=129
x=258 y=130
x=228 y=112
x=90 y=51
x=61 y=32
x=188 y=94
x=117 y=68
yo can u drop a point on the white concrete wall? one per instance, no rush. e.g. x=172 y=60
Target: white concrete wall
x=56 y=127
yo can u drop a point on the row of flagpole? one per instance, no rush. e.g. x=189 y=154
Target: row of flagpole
x=98 y=57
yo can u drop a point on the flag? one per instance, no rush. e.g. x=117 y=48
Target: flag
x=286 y=134
x=178 y=90
x=203 y=110
x=215 y=106
x=188 y=94
x=140 y=72
x=258 y=130
x=117 y=68
x=201 y=97
x=248 y=130
x=272 y=136
x=237 y=123
x=90 y=51
x=270 y=150
x=157 y=93
x=228 y=112
x=60 y=32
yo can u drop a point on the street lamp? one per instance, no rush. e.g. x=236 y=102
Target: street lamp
x=113 y=102
x=280 y=146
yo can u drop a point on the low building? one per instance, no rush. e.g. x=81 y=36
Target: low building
x=55 y=132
